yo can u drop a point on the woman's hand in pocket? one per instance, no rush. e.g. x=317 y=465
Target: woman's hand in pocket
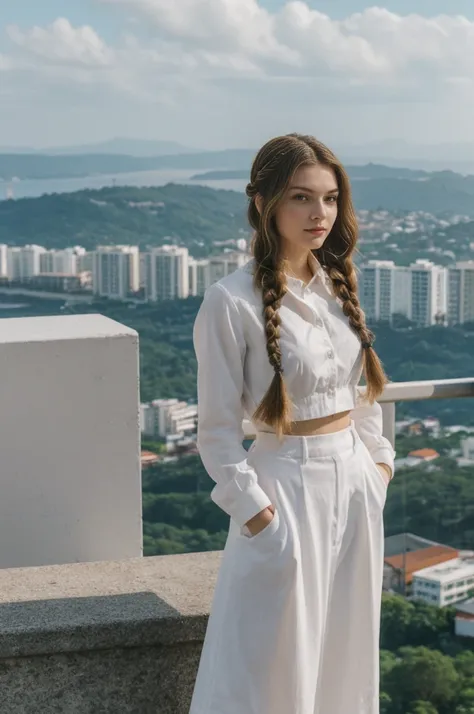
x=385 y=472
x=261 y=520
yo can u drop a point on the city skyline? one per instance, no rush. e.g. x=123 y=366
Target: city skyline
x=215 y=75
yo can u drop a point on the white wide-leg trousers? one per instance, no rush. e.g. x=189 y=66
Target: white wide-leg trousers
x=294 y=624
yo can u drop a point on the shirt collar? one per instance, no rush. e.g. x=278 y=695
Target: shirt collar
x=319 y=274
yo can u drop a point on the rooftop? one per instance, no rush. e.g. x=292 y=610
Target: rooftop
x=449 y=571
x=424 y=454
x=419 y=559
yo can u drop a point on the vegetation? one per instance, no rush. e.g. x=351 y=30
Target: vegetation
x=425 y=669
x=200 y=218
x=192 y=216
x=393 y=189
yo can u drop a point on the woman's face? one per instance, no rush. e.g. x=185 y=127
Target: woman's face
x=308 y=210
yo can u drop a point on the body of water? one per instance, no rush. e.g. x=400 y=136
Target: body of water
x=30 y=188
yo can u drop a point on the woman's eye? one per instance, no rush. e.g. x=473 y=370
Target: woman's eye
x=332 y=199
x=300 y=197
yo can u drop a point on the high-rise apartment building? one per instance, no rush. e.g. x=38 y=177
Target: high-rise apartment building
x=419 y=291
x=429 y=292
x=3 y=260
x=115 y=272
x=166 y=273
x=163 y=417
x=23 y=262
x=384 y=290
x=64 y=261
x=199 y=276
x=377 y=289
x=222 y=265
x=461 y=293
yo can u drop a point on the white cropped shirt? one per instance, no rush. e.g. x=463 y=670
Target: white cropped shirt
x=322 y=366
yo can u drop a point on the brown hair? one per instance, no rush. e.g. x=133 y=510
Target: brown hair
x=272 y=171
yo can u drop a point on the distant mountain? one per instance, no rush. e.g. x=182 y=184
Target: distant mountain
x=17 y=150
x=128 y=147
x=38 y=166
x=193 y=215
x=376 y=186
x=118 y=145
x=458 y=156
x=368 y=171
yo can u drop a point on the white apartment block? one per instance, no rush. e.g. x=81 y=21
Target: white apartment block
x=429 y=292
x=222 y=265
x=62 y=261
x=3 y=260
x=199 y=276
x=165 y=417
x=23 y=262
x=446 y=583
x=384 y=290
x=420 y=291
x=166 y=273
x=85 y=262
x=461 y=293
x=377 y=289
x=115 y=271
x=467 y=446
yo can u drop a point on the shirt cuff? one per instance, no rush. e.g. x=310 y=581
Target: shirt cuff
x=384 y=455
x=246 y=504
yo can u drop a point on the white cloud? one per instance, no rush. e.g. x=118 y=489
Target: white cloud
x=376 y=46
x=61 y=42
x=230 y=58
x=202 y=40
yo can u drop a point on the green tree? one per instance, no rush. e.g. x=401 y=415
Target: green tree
x=420 y=707
x=422 y=675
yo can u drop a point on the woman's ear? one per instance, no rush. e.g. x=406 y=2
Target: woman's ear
x=259 y=203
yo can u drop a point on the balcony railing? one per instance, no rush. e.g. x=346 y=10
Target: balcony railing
x=408 y=392
x=420 y=391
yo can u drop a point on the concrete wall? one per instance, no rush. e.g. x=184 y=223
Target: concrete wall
x=69 y=441
x=120 y=637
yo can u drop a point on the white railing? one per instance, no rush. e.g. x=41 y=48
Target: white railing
x=407 y=392
x=420 y=391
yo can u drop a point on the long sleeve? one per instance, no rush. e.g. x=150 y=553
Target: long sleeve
x=220 y=349
x=369 y=425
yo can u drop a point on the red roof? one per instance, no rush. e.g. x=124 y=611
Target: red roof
x=419 y=559
x=424 y=453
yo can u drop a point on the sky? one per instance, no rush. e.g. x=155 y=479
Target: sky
x=212 y=74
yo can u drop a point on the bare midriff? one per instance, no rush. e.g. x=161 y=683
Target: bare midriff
x=322 y=425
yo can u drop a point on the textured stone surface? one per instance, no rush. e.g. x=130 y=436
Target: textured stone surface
x=122 y=637
x=144 y=680
x=106 y=604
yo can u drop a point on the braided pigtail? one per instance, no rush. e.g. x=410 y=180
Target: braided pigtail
x=275 y=407
x=344 y=281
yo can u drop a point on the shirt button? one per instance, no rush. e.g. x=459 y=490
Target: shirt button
x=330 y=354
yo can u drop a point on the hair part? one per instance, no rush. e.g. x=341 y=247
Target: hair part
x=272 y=171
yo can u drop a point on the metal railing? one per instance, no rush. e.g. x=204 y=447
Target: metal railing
x=419 y=391
x=408 y=392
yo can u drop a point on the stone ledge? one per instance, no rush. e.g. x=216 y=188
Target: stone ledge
x=51 y=609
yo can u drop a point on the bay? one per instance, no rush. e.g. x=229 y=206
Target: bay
x=26 y=188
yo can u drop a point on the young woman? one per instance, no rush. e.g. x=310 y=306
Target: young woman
x=294 y=625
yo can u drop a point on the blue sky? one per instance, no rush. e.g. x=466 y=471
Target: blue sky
x=29 y=12
x=216 y=78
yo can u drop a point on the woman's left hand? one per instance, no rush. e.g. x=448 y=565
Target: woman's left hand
x=385 y=472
